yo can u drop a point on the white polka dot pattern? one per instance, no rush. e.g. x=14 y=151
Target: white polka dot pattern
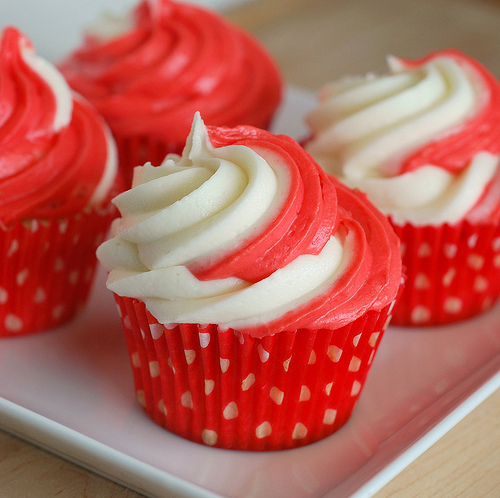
x=263 y=354
x=161 y=407
x=305 y=394
x=373 y=339
x=187 y=400
x=136 y=360
x=263 y=430
x=449 y=276
x=156 y=330
x=209 y=386
x=277 y=395
x=209 y=437
x=14 y=246
x=287 y=390
x=355 y=364
x=356 y=388
x=248 y=382
x=424 y=250
x=422 y=281
x=44 y=279
x=299 y=431
x=190 y=356
x=334 y=353
x=453 y=305
x=231 y=411
x=141 y=398
x=13 y=323
x=204 y=340
x=21 y=277
x=420 y=315
x=154 y=368
x=330 y=416
x=480 y=284
x=312 y=358
x=453 y=273
x=4 y=295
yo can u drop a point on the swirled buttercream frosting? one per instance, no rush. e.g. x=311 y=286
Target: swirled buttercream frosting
x=423 y=141
x=150 y=71
x=246 y=231
x=56 y=153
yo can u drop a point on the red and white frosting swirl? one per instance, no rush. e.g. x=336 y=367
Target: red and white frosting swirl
x=246 y=231
x=56 y=153
x=423 y=142
x=148 y=73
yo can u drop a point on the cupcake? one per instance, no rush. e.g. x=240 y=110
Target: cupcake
x=149 y=72
x=423 y=143
x=254 y=290
x=57 y=168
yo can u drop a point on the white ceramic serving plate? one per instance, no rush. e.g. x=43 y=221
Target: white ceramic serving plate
x=70 y=390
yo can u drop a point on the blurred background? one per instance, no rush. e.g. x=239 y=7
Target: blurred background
x=324 y=38
x=55 y=25
x=327 y=39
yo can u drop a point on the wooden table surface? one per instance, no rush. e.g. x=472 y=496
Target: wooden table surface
x=315 y=41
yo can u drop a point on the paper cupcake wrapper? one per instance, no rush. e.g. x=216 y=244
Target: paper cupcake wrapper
x=220 y=388
x=453 y=272
x=47 y=269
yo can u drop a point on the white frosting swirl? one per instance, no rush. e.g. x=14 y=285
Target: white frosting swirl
x=54 y=79
x=109 y=173
x=198 y=206
x=364 y=127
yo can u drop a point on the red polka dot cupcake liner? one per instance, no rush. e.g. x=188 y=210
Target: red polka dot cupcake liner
x=453 y=272
x=221 y=388
x=47 y=269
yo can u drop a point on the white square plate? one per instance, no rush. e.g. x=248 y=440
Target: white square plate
x=70 y=390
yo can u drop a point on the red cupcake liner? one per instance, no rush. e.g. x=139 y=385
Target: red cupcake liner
x=47 y=269
x=453 y=272
x=221 y=388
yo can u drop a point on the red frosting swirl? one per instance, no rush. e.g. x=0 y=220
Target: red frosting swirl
x=175 y=60
x=481 y=132
x=308 y=219
x=317 y=207
x=44 y=172
x=369 y=282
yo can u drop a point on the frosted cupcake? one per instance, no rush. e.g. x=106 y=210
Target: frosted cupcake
x=253 y=290
x=150 y=71
x=57 y=166
x=423 y=143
